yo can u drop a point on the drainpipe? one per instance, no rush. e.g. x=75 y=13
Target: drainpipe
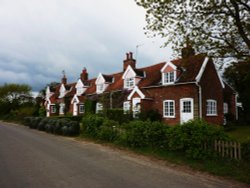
x=200 y=100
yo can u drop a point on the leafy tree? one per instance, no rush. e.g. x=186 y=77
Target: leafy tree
x=14 y=96
x=238 y=75
x=220 y=27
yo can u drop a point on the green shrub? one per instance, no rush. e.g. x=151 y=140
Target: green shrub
x=91 y=124
x=156 y=134
x=151 y=115
x=34 y=122
x=191 y=137
x=118 y=115
x=134 y=134
x=246 y=150
x=108 y=130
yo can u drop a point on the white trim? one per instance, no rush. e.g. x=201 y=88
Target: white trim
x=129 y=68
x=221 y=81
x=81 y=112
x=136 y=90
x=100 y=76
x=203 y=67
x=166 y=116
x=75 y=98
x=216 y=107
x=62 y=91
x=168 y=64
x=163 y=78
x=182 y=119
x=126 y=107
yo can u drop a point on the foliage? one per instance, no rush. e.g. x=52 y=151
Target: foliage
x=246 y=150
x=42 y=111
x=152 y=115
x=238 y=76
x=13 y=97
x=144 y=134
x=190 y=138
x=53 y=125
x=118 y=115
x=89 y=106
x=219 y=27
x=108 y=130
x=91 y=124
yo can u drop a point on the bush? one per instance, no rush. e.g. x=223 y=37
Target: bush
x=91 y=124
x=34 y=122
x=151 y=115
x=145 y=134
x=191 y=137
x=118 y=115
x=108 y=130
x=246 y=150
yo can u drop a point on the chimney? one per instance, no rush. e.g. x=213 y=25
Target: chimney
x=84 y=75
x=64 y=79
x=129 y=61
x=188 y=50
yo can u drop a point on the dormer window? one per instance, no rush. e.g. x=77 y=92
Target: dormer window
x=99 y=88
x=129 y=83
x=169 y=73
x=169 y=77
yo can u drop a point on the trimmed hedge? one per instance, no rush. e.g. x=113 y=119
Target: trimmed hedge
x=190 y=138
x=52 y=125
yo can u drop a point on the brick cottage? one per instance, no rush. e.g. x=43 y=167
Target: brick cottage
x=180 y=90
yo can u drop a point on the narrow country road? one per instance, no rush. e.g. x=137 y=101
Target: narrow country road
x=30 y=158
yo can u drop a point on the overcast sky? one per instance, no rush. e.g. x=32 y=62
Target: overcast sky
x=40 y=38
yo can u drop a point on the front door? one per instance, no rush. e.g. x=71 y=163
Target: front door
x=186 y=109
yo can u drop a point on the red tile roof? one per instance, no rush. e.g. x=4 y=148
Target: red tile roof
x=189 y=67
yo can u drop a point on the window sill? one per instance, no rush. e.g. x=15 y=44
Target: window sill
x=211 y=115
x=169 y=117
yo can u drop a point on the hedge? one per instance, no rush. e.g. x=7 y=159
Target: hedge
x=62 y=126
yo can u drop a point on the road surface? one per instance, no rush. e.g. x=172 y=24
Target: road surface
x=30 y=158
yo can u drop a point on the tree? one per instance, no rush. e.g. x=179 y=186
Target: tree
x=238 y=76
x=220 y=27
x=14 y=96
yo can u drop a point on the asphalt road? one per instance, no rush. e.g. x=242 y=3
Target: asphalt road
x=29 y=158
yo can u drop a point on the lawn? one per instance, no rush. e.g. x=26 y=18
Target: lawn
x=240 y=133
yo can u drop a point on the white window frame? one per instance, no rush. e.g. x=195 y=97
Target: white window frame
x=225 y=108
x=62 y=108
x=168 y=77
x=167 y=114
x=53 y=109
x=211 y=106
x=81 y=108
x=100 y=88
x=129 y=83
x=126 y=107
x=99 y=107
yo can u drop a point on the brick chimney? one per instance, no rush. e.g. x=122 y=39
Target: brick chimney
x=84 y=75
x=188 y=50
x=64 y=79
x=129 y=61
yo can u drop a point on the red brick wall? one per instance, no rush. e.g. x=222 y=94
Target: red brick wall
x=172 y=93
x=212 y=89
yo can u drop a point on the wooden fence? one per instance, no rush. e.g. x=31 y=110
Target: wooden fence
x=228 y=149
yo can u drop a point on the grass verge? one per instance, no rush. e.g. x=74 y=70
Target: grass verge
x=232 y=169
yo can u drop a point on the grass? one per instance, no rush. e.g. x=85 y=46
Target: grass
x=240 y=133
x=231 y=169
x=237 y=170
